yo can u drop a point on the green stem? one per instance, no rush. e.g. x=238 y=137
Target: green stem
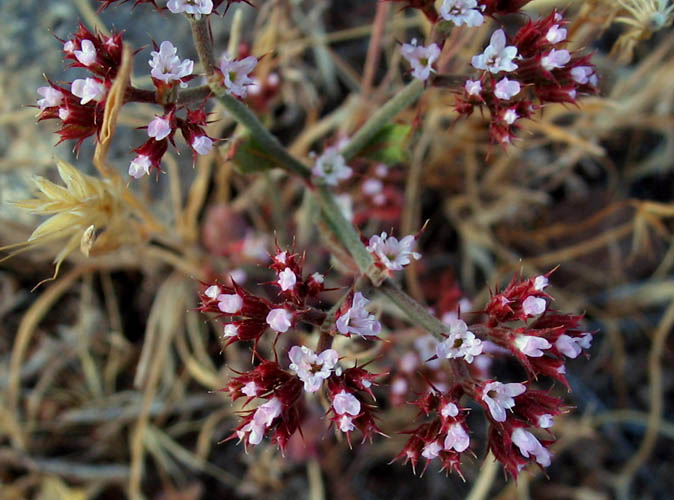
x=381 y=118
x=258 y=132
x=344 y=230
x=417 y=313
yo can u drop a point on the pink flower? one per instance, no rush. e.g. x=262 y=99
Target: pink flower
x=193 y=7
x=499 y=398
x=533 y=306
x=159 y=128
x=546 y=421
x=462 y=12
x=230 y=303
x=345 y=423
x=287 y=279
x=280 y=320
x=540 y=282
x=420 y=58
x=202 y=144
x=87 y=55
x=529 y=445
x=449 y=410
x=250 y=389
x=497 y=56
x=331 y=167
x=555 y=59
x=510 y=116
x=231 y=330
x=555 y=34
x=262 y=419
x=432 y=450
x=473 y=87
x=392 y=253
x=51 y=97
x=236 y=74
x=88 y=89
x=167 y=66
x=571 y=347
x=457 y=438
x=584 y=75
x=506 y=89
x=140 y=166
x=346 y=403
x=212 y=292
x=531 y=346
x=356 y=320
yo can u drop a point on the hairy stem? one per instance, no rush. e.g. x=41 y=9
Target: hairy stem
x=344 y=230
x=243 y=115
x=201 y=33
x=416 y=312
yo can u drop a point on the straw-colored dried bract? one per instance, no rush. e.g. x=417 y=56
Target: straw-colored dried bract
x=85 y=212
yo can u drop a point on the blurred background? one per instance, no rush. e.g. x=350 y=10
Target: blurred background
x=107 y=374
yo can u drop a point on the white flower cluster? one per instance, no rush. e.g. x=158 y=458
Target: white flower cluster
x=420 y=58
x=312 y=368
x=461 y=343
x=461 y=12
x=236 y=74
x=392 y=253
x=196 y=8
x=167 y=66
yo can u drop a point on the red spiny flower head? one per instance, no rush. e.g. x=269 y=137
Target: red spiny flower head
x=100 y=54
x=520 y=76
x=515 y=447
x=538 y=408
x=264 y=378
x=81 y=115
x=360 y=379
x=194 y=133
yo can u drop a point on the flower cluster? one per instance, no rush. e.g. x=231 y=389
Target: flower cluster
x=80 y=107
x=519 y=320
x=284 y=408
x=445 y=436
x=517 y=323
x=247 y=317
x=522 y=75
x=392 y=254
x=518 y=76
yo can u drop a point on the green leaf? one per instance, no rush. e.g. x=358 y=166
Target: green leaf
x=249 y=157
x=389 y=145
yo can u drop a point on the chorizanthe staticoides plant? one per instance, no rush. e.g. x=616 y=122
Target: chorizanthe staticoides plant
x=511 y=80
